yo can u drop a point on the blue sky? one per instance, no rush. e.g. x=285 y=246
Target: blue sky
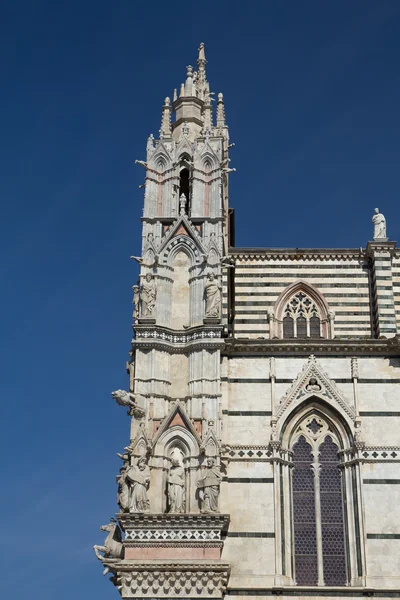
x=312 y=93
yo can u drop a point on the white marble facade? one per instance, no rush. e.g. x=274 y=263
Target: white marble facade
x=284 y=345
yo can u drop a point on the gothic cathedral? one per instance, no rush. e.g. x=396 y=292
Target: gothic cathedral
x=263 y=396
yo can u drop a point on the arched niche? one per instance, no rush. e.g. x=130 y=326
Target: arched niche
x=180 y=300
x=178 y=439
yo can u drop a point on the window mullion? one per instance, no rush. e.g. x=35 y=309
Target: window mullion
x=316 y=467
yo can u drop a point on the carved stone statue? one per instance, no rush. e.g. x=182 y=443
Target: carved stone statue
x=379 y=222
x=123 y=490
x=148 y=294
x=212 y=294
x=176 y=486
x=135 y=301
x=209 y=487
x=139 y=478
x=182 y=204
x=113 y=548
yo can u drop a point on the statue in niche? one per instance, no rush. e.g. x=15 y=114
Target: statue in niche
x=139 y=477
x=135 y=302
x=182 y=204
x=379 y=223
x=176 y=483
x=313 y=385
x=123 y=490
x=148 y=294
x=208 y=486
x=212 y=294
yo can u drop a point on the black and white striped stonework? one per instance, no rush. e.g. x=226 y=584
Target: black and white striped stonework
x=342 y=279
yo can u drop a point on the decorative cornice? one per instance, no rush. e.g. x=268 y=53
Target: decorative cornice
x=149 y=579
x=172 y=521
x=333 y=347
x=297 y=253
x=157 y=336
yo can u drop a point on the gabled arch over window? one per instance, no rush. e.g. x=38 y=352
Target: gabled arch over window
x=302 y=312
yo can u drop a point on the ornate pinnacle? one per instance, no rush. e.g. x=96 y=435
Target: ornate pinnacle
x=166 y=118
x=220 y=111
x=189 y=81
x=201 y=83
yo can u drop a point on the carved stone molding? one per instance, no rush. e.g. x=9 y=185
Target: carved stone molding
x=380 y=454
x=173 y=522
x=189 y=580
x=175 y=341
x=240 y=453
x=334 y=347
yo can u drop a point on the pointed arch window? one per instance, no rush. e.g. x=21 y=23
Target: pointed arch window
x=317 y=500
x=302 y=317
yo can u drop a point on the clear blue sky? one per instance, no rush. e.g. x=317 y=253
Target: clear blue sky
x=312 y=94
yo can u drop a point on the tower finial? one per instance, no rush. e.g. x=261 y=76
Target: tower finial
x=201 y=73
x=220 y=111
x=189 y=81
x=166 y=119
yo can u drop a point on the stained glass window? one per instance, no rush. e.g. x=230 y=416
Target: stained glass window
x=288 y=327
x=301 y=318
x=317 y=468
x=334 y=557
x=305 y=547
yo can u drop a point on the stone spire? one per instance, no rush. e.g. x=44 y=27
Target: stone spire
x=201 y=81
x=189 y=88
x=165 y=130
x=220 y=111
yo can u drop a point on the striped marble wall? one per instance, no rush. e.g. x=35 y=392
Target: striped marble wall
x=342 y=278
x=396 y=286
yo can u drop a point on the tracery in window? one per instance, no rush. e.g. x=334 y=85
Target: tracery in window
x=301 y=317
x=318 y=523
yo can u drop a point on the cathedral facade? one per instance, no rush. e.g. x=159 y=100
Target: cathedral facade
x=264 y=395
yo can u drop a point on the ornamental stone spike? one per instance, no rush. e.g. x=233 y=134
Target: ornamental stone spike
x=189 y=81
x=201 y=81
x=220 y=111
x=166 y=118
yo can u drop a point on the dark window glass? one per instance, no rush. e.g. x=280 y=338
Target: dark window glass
x=315 y=327
x=333 y=544
x=301 y=327
x=305 y=546
x=288 y=327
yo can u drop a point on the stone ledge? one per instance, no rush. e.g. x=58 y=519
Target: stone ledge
x=129 y=521
x=387 y=346
x=169 y=579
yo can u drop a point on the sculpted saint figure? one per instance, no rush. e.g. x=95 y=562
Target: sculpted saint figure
x=139 y=478
x=212 y=296
x=135 y=301
x=123 y=490
x=176 y=486
x=209 y=487
x=379 y=222
x=148 y=293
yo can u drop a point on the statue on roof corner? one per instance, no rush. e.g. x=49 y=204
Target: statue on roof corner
x=379 y=223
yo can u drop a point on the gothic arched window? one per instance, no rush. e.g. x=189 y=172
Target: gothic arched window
x=317 y=497
x=301 y=317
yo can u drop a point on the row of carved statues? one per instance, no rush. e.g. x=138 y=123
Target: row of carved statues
x=134 y=482
x=145 y=295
